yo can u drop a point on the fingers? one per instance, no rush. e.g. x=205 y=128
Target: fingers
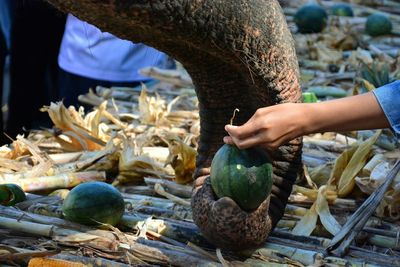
x=242 y=144
x=269 y=127
x=244 y=136
x=244 y=131
x=250 y=141
x=256 y=140
x=228 y=140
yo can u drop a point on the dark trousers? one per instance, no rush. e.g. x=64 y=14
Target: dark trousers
x=72 y=85
x=3 y=54
x=35 y=41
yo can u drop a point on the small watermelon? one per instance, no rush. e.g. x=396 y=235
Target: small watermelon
x=311 y=18
x=245 y=175
x=94 y=202
x=11 y=194
x=378 y=24
x=343 y=10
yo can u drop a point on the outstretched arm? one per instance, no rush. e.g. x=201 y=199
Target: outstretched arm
x=273 y=126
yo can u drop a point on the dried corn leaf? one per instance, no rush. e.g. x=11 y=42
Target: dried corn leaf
x=325 y=54
x=307 y=223
x=312 y=194
x=340 y=164
x=73 y=124
x=34 y=150
x=94 y=118
x=133 y=167
x=15 y=150
x=71 y=237
x=360 y=56
x=309 y=181
x=346 y=181
x=152 y=109
x=320 y=174
x=325 y=216
x=320 y=209
x=45 y=165
x=182 y=159
x=309 y=193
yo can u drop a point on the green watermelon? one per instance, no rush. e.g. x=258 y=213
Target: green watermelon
x=243 y=175
x=311 y=18
x=343 y=10
x=11 y=194
x=92 y=203
x=378 y=24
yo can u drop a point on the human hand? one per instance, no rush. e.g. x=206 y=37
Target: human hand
x=224 y=223
x=270 y=127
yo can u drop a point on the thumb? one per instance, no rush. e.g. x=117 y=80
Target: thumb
x=230 y=128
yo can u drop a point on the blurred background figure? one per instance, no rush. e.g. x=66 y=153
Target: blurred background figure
x=54 y=56
x=6 y=12
x=36 y=33
x=89 y=57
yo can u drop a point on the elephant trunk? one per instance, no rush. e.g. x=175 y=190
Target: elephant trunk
x=239 y=53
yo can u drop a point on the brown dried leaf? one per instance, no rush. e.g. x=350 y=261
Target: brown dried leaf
x=133 y=167
x=81 y=135
x=325 y=54
x=182 y=159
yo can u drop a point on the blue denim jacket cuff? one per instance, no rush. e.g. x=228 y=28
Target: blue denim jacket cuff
x=388 y=97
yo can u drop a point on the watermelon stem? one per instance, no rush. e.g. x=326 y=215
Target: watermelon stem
x=234 y=115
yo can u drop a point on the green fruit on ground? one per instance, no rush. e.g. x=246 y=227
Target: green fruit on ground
x=378 y=24
x=92 y=203
x=311 y=18
x=11 y=194
x=245 y=175
x=342 y=10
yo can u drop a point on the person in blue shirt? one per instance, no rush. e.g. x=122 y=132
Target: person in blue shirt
x=89 y=57
x=273 y=126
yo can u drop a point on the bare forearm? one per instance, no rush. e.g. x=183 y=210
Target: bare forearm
x=352 y=113
x=273 y=126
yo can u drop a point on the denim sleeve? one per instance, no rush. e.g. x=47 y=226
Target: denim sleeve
x=388 y=97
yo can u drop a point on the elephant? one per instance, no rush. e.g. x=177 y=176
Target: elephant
x=240 y=54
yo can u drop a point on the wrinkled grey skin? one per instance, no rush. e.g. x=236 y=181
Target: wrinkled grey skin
x=240 y=54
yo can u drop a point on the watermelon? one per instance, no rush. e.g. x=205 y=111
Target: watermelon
x=11 y=194
x=343 y=10
x=311 y=18
x=92 y=203
x=243 y=175
x=378 y=24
